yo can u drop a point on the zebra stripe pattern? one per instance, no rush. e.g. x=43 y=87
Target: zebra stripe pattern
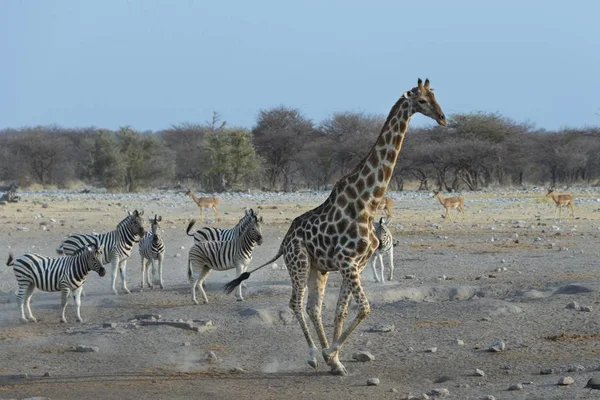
x=152 y=248
x=222 y=255
x=208 y=233
x=117 y=245
x=64 y=274
x=386 y=245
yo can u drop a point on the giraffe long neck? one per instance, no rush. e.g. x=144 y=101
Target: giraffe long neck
x=370 y=179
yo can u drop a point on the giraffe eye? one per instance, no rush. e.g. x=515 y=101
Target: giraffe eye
x=421 y=101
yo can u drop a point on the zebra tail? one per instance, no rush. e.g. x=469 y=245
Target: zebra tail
x=230 y=286
x=189 y=227
x=60 y=250
x=189 y=270
x=10 y=260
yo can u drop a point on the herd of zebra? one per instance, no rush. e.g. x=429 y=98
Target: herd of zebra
x=213 y=249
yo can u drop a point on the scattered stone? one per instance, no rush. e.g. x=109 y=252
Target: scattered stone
x=586 y=309
x=575 y=368
x=82 y=348
x=410 y=277
x=460 y=342
x=373 y=382
x=573 y=306
x=439 y=392
x=547 y=371
x=489 y=397
x=593 y=383
x=176 y=255
x=237 y=370
x=363 y=356
x=46 y=374
x=566 y=381
x=393 y=390
x=516 y=386
x=211 y=357
x=187 y=344
x=109 y=325
x=479 y=372
x=383 y=328
x=431 y=350
x=497 y=347
x=151 y=317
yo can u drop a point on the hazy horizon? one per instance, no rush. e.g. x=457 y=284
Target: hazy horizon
x=154 y=64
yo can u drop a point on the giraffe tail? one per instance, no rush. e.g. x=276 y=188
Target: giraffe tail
x=189 y=227
x=230 y=286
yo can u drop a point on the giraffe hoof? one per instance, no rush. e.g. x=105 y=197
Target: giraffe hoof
x=340 y=370
x=327 y=355
x=313 y=363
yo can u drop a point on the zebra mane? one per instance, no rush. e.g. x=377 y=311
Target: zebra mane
x=82 y=250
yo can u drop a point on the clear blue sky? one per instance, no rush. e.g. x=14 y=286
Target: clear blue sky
x=151 y=64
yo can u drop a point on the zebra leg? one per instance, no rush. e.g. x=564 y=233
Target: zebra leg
x=122 y=270
x=143 y=272
x=373 y=262
x=28 y=295
x=21 y=301
x=238 y=294
x=150 y=276
x=203 y=275
x=77 y=297
x=391 y=253
x=115 y=266
x=64 y=297
x=161 y=258
x=380 y=257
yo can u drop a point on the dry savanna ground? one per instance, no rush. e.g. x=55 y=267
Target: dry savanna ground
x=504 y=273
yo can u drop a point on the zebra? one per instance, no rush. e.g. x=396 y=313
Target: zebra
x=64 y=274
x=152 y=248
x=386 y=245
x=223 y=255
x=117 y=245
x=208 y=233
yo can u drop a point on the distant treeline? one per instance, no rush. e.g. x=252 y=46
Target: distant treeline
x=287 y=151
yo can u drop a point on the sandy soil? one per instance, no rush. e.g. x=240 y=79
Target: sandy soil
x=451 y=282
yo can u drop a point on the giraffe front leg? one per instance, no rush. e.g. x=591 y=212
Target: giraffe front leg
x=77 y=298
x=331 y=354
x=316 y=293
x=122 y=269
x=64 y=297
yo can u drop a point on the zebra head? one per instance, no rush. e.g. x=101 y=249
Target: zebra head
x=253 y=231
x=135 y=223
x=94 y=259
x=154 y=227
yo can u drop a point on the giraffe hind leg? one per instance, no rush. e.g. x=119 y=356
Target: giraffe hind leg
x=331 y=354
x=314 y=304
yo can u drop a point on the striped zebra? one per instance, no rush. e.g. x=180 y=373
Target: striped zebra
x=386 y=245
x=64 y=274
x=222 y=255
x=117 y=245
x=208 y=233
x=152 y=248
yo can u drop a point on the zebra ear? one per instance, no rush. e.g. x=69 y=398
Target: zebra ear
x=92 y=248
x=140 y=213
x=159 y=218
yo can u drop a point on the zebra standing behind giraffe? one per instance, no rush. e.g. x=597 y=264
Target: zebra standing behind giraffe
x=223 y=255
x=117 y=245
x=152 y=248
x=386 y=245
x=64 y=274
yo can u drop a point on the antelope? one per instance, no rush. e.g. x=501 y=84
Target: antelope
x=205 y=202
x=561 y=200
x=457 y=202
x=386 y=206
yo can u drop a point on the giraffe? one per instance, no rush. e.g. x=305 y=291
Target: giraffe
x=338 y=235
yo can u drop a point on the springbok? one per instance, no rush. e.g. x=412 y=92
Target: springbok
x=457 y=202
x=205 y=202
x=561 y=200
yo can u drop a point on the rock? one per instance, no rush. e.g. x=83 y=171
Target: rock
x=515 y=386
x=460 y=342
x=479 y=372
x=566 y=381
x=547 y=371
x=575 y=368
x=187 y=344
x=593 y=383
x=410 y=277
x=237 y=370
x=383 y=328
x=489 y=397
x=439 y=392
x=573 y=306
x=431 y=350
x=363 y=356
x=497 y=346
x=82 y=348
x=586 y=309
x=211 y=357
x=109 y=325
x=373 y=382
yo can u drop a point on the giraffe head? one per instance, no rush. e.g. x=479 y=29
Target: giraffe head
x=423 y=101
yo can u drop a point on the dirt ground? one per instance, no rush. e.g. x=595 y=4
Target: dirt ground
x=505 y=272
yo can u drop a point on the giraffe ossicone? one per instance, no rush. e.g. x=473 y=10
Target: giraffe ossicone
x=338 y=235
